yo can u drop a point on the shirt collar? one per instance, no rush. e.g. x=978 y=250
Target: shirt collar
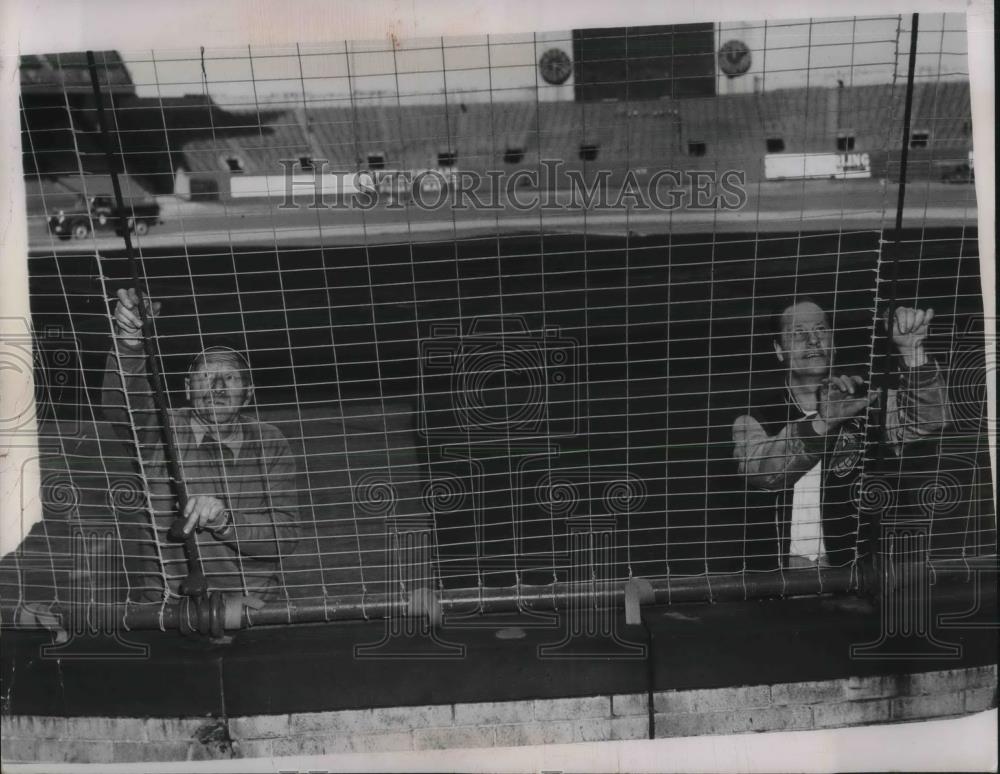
x=199 y=431
x=793 y=403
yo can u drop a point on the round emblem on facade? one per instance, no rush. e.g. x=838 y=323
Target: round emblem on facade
x=734 y=58
x=555 y=66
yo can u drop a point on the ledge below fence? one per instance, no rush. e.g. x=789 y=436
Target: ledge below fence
x=810 y=705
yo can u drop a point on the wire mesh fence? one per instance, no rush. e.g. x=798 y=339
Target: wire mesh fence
x=446 y=315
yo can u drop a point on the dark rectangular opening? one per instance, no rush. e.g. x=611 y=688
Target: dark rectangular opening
x=697 y=148
x=447 y=159
x=513 y=156
x=376 y=161
x=845 y=142
x=588 y=151
x=775 y=145
x=920 y=138
x=204 y=188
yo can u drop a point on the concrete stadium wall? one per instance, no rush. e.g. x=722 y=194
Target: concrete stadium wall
x=782 y=707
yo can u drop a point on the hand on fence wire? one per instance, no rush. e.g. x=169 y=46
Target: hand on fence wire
x=128 y=319
x=205 y=512
x=842 y=397
x=910 y=327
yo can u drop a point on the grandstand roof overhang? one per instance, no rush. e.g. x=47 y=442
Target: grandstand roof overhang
x=45 y=74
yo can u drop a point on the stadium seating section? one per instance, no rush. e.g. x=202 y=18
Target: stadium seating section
x=159 y=136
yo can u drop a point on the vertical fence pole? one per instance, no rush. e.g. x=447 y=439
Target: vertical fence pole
x=897 y=237
x=195 y=584
x=889 y=311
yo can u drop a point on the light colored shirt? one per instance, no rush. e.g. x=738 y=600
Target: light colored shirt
x=806 y=536
x=806 y=531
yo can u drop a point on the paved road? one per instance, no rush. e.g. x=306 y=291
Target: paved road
x=786 y=206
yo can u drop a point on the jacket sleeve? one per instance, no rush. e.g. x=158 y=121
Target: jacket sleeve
x=272 y=530
x=126 y=386
x=919 y=408
x=775 y=462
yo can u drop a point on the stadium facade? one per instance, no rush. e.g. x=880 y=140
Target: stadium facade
x=684 y=96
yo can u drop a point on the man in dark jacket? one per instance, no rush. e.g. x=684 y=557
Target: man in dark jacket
x=239 y=472
x=801 y=445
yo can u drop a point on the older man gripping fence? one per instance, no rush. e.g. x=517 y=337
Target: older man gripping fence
x=801 y=445
x=239 y=472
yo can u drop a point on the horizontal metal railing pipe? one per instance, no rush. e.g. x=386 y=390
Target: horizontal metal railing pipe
x=483 y=600
x=212 y=615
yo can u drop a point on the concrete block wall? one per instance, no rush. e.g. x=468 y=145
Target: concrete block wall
x=782 y=707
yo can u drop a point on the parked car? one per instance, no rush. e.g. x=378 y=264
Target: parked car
x=100 y=213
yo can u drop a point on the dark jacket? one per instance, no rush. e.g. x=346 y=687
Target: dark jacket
x=775 y=445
